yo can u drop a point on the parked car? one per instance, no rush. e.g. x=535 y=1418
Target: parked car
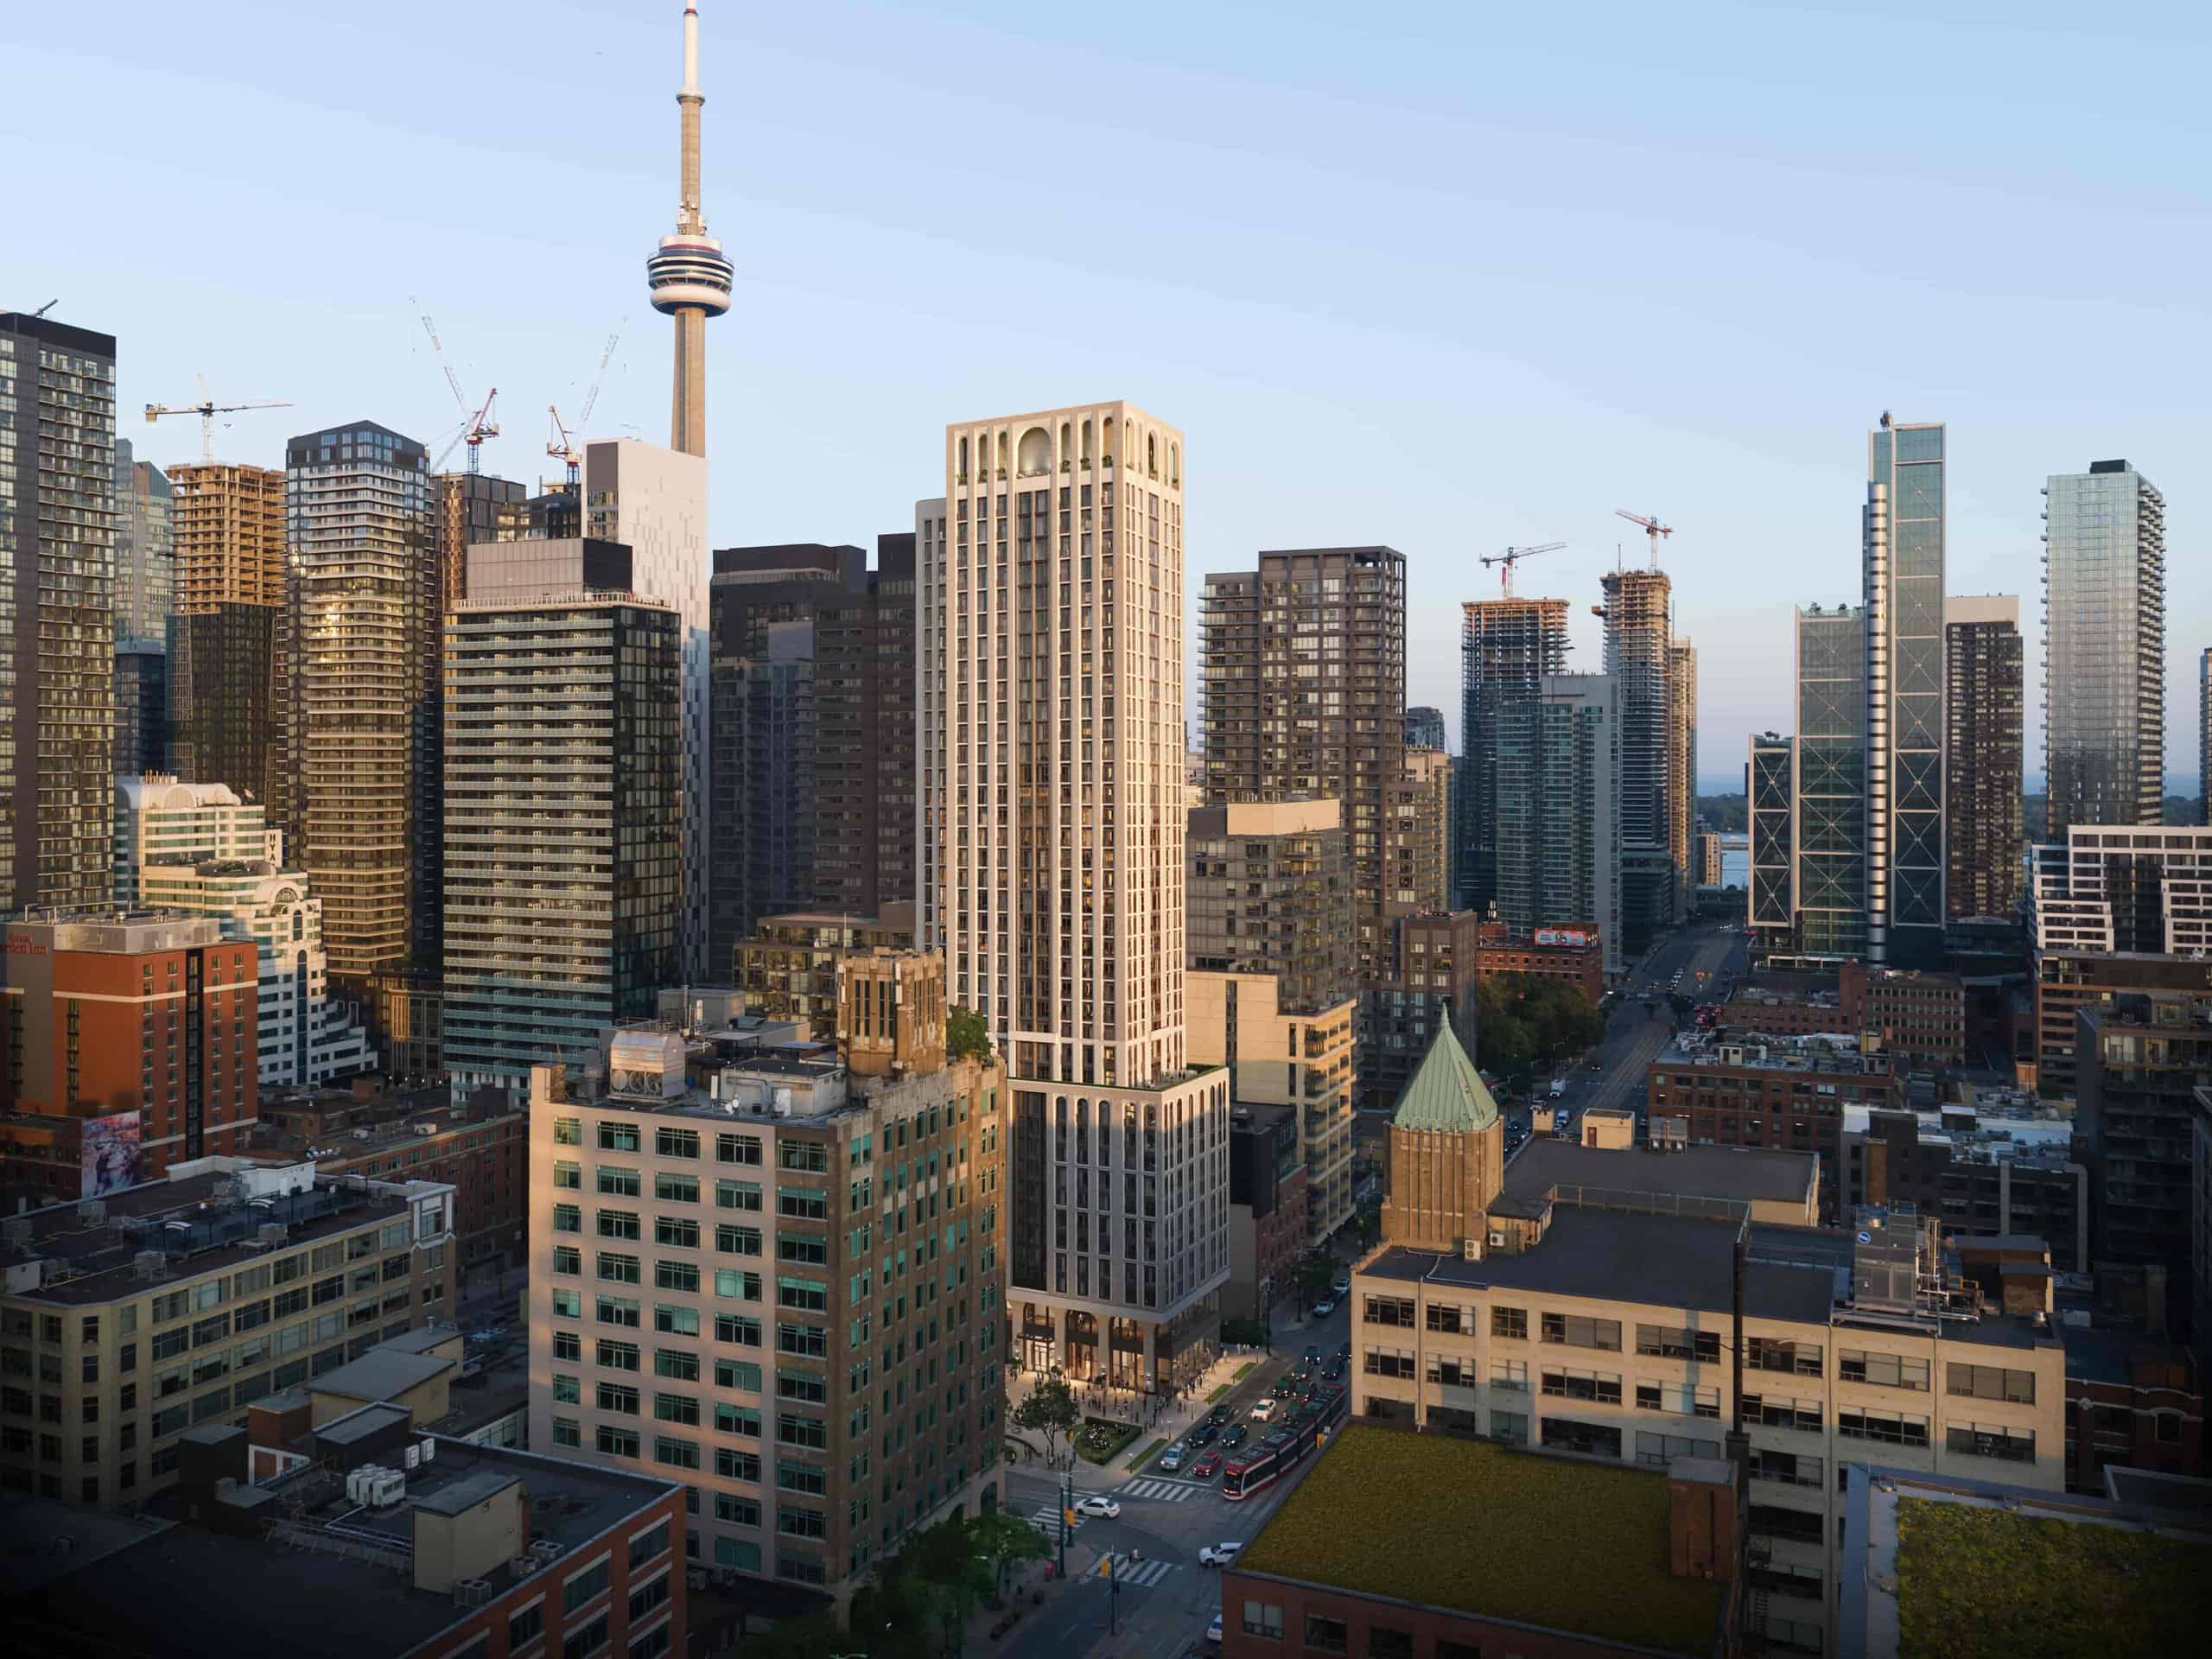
x=1323 y=1309
x=1207 y=1466
x=1171 y=1459
x=1234 y=1436
x=1341 y=1284
x=1219 y=1554
x=1204 y=1434
x=1096 y=1503
x=1213 y=1631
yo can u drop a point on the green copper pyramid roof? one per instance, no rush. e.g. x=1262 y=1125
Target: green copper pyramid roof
x=1448 y=1092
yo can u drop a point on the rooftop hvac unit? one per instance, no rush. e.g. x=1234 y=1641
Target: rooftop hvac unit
x=274 y=1232
x=783 y=1102
x=149 y=1264
x=414 y=1457
x=93 y=1212
x=387 y=1489
x=472 y=1592
x=16 y=1232
x=358 y=1480
x=430 y=1450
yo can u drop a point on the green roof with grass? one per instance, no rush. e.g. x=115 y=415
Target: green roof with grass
x=1975 y=1581
x=1471 y=1526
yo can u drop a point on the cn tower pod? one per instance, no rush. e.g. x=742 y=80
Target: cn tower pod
x=690 y=273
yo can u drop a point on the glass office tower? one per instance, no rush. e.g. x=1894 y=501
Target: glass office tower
x=1904 y=674
x=2105 y=632
x=1834 y=813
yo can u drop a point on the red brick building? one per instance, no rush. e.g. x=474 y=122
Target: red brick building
x=1267 y=1207
x=482 y=1147
x=1572 y=952
x=2132 y=1399
x=1919 y=1017
x=1744 y=1091
x=145 y=1027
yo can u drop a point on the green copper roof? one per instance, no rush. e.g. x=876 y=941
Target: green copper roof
x=1448 y=1092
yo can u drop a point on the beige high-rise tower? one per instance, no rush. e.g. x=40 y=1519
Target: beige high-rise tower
x=1052 y=711
x=228 y=525
x=689 y=275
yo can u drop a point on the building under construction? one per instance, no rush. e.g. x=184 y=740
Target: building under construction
x=1507 y=647
x=1639 y=658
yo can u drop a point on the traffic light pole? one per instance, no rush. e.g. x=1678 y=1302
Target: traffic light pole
x=1067 y=1498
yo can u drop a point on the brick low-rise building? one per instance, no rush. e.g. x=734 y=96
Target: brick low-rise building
x=176 y=1305
x=788 y=968
x=1570 y=952
x=1267 y=1201
x=1786 y=1094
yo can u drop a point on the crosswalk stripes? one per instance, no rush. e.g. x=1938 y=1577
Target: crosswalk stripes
x=1047 y=1521
x=1138 y=1575
x=1164 y=1491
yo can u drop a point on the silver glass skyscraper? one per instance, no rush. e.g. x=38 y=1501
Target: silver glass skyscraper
x=1902 y=541
x=2105 y=634
x=1833 y=807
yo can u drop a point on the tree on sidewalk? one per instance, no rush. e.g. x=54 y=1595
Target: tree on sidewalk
x=1315 y=1276
x=953 y=1574
x=1004 y=1541
x=1050 y=1410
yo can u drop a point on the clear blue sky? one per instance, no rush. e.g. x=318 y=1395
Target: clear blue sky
x=1444 y=276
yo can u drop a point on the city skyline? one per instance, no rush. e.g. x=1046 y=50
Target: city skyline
x=836 y=241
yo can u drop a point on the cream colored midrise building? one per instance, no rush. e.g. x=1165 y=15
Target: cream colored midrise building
x=1589 y=1312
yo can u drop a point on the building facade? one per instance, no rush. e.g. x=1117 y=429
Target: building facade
x=142 y=706
x=1508 y=648
x=864 y=759
x=198 y=849
x=2105 y=642
x=228 y=699
x=248 y=1277
x=1417 y=835
x=1060 y=875
x=1303 y=663
x=1829 y=790
x=818 y=1351
x=1569 y=952
x=1681 y=770
x=227 y=528
x=563 y=823
x=145 y=566
x=788 y=969
x=1562 y=859
x=1639 y=660
x=2137 y=1062
x=363 y=704
x=654 y=501
x=473 y=507
x=131 y=1048
x=1425 y=727
x=1984 y=665
x=1431 y=985
x=1268 y=1231
x=1904 y=673
x=1770 y=798
x=57 y=571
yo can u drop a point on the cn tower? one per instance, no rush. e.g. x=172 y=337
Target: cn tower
x=688 y=276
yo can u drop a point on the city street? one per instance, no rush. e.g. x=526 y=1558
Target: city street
x=1634 y=1035
x=1165 y=1599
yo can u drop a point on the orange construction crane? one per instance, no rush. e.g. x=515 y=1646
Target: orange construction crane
x=1513 y=555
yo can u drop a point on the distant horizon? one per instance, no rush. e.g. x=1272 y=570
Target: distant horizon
x=2180 y=784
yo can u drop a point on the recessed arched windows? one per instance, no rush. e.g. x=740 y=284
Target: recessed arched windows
x=963 y=461
x=1035 y=453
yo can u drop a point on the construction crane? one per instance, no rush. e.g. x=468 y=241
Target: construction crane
x=207 y=409
x=1652 y=529
x=561 y=446
x=475 y=427
x=1513 y=555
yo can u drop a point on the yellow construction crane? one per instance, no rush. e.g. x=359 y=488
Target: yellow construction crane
x=1513 y=555
x=1652 y=529
x=207 y=409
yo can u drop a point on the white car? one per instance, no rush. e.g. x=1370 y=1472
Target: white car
x=1171 y=1459
x=1095 y=1503
x=1219 y=1554
x=1213 y=1631
x=1342 y=1284
x=1323 y=1309
x=1264 y=1411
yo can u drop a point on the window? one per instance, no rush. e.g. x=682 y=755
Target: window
x=569 y=1305
x=567 y=1390
x=648 y=1595
x=568 y=1175
x=1882 y=1370
x=1990 y=1382
x=1263 y=1620
x=1853 y=1423
x=806 y=1295
x=620 y=1268
x=733 y=1510
x=1573 y=1331
x=1776 y=1412
x=1450 y=1321
x=802 y=1203
x=1391 y=1310
x=737 y=1374
x=1772 y=1354
x=588 y=1584
x=1509 y=1322
x=1583 y=1385
x=676 y=1408
x=1591 y=1440
x=1326 y=1635
x=677 y=1454
x=1509 y=1374
x=618 y=1310
x=679 y=1232
x=618 y=1442
x=676 y=1275
x=620 y=1223
x=568 y=1131
x=618 y=1396
x=675 y=1143
x=676 y=1321
x=567 y=1218
x=1800 y=1526
x=810 y=1157
x=737 y=1148
x=526 y=1625
x=675 y=1363
x=737 y=1330
x=1990 y=1440
x=620 y=1183
x=792 y=1429
x=737 y=1419
x=737 y=1195
x=737 y=1465
x=586 y=1638
x=1384 y=1642
x=1660 y=1450
x=1673 y=1342
x=1389 y=1362
x=567 y=1344
x=615 y=1136
x=1790 y=1468
x=676 y=1189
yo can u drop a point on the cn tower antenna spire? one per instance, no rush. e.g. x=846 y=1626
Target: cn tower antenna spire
x=689 y=277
